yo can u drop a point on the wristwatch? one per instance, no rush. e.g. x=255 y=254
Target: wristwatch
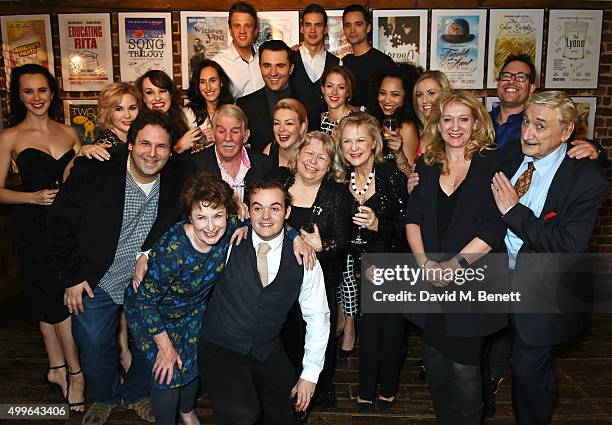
x=462 y=261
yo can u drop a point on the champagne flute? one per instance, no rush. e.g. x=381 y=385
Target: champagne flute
x=356 y=208
x=390 y=127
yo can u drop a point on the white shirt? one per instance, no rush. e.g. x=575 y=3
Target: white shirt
x=313 y=303
x=237 y=183
x=314 y=66
x=245 y=76
x=190 y=118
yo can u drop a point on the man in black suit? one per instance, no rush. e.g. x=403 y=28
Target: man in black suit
x=311 y=61
x=105 y=214
x=241 y=358
x=228 y=157
x=276 y=64
x=515 y=83
x=550 y=206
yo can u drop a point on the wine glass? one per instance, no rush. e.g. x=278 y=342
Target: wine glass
x=356 y=208
x=55 y=184
x=390 y=127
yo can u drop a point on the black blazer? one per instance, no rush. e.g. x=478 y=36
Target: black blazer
x=475 y=215
x=84 y=223
x=309 y=92
x=331 y=212
x=257 y=109
x=261 y=166
x=564 y=226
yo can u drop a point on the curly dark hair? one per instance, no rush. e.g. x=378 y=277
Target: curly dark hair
x=161 y=80
x=18 y=109
x=209 y=190
x=197 y=103
x=408 y=75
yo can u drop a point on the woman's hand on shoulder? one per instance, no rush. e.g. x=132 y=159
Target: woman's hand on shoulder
x=96 y=151
x=413 y=181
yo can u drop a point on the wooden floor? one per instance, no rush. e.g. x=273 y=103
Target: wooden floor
x=584 y=372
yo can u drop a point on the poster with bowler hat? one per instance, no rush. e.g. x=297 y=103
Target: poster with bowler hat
x=458 y=46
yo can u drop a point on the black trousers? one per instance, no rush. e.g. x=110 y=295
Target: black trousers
x=498 y=348
x=382 y=341
x=534 y=387
x=240 y=387
x=455 y=388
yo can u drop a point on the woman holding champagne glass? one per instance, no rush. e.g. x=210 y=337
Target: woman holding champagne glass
x=396 y=116
x=379 y=192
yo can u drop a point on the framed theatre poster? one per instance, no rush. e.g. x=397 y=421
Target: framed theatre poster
x=514 y=32
x=336 y=42
x=145 y=43
x=458 y=45
x=279 y=26
x=26 y=39
x=572 y=55
x=585 y=122
x=491 y=102
x=402 y=35
x=203 y=35
x=82 y=115
x=86 y=51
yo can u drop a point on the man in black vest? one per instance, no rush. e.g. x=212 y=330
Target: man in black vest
x=311 y=61
x=242 y=361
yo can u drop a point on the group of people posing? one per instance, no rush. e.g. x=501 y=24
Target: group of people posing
x=216 y=248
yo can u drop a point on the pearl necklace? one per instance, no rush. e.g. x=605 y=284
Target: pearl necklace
x=361 y=192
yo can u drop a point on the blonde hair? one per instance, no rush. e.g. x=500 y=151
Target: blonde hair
x=233 y=112
x=295 y=106
x=356 y=120
x=440 y=78
x=482 y=137
x=336 y=170
x=110 y=97
x=559 y=101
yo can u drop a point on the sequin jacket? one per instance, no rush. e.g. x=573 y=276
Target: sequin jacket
x=389 y=204
x=331 y=212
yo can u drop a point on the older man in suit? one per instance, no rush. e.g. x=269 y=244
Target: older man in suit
x=550 y=206
x=228 y=157
x=105 y=214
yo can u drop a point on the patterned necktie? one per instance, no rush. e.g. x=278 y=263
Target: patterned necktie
x=522 y=184
x=262 y=262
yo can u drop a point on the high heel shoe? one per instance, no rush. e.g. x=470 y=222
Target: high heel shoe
x=345 y=354
x=54 y=386
x=78 y=403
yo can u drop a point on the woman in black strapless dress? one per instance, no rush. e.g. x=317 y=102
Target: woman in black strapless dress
x=41 y=148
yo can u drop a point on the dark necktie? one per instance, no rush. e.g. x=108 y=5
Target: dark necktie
x=522 y=184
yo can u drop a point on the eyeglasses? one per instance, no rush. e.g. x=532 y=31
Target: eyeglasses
x=520 y=77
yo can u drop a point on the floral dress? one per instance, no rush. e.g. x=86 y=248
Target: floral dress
x=173 y=297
